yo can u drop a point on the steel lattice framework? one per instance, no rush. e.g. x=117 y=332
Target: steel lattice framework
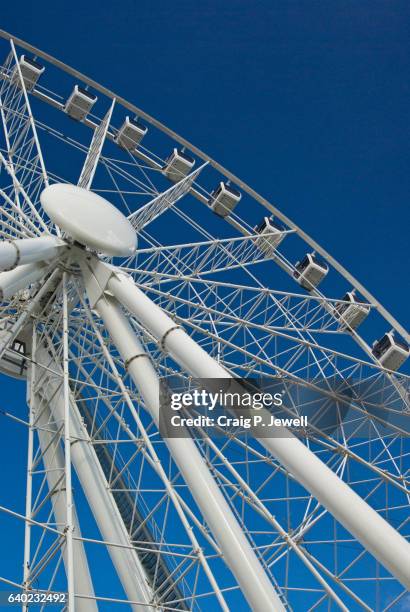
x=232 y=522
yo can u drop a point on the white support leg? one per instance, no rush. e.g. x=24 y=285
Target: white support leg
x=29 y=485
x=362 y=521
x=238 y=554
x=94 y=484
x=67 y=458
x=24 y=251
x=41 y=421
x=53 y=459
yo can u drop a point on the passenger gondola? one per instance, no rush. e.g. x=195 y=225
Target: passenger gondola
x=79 y=103
x=178 y=165
x=131 y=133
x=310 y=271
x=224 y=199
x=30 y=69
x=390 y=351
x=272 y=233
x=352 y=311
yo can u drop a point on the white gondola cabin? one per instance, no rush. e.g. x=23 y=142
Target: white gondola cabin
x=30 y=69
x=14 y=360
x=131 y=133
x=79 y=103
x=224 y=199
x=272 y=233
x=352 y=311
x=178 y=165
x=390 y=352
x=310 y=271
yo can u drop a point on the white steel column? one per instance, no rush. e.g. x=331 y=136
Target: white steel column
x=237 y=551
x=362 y=521
x=29 y=485
x=67 y=457
x=53 y=459
x=52 y=456
x=22 y=251
x=157 y=465
x=94 y=484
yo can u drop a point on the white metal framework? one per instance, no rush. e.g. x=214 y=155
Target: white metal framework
x=116 y=515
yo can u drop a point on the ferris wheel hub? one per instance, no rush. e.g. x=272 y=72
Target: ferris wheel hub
x=89 y=219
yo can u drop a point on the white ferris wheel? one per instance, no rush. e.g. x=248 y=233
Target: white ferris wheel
x=128 y=256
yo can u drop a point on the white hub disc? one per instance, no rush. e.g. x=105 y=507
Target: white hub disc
x=89 y=219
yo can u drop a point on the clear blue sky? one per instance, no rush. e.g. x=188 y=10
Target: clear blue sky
x=306 y=101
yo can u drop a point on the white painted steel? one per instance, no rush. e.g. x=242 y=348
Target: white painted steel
x=159 y=468
x=11 y=333
x=69 y=522
x=374 y=532
x=14 y=280
x=30 y=114
x=29 y=475
x=94 y=152
x=53 y=458
x=237 y=552
x=89 y=219
x=95 y=487
x=15 y=253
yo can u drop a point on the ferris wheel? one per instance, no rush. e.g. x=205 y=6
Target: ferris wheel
x=128 y=257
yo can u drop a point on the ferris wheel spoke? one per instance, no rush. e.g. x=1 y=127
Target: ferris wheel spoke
x=235 y=322
x=300 y=321
x=205 y=257
x=258 y=311
x=94 y=151
x=163 y=202
x=275 y=367
x=359 y=405
x=24 y=225
x=300 y=309
x=22 y=85
x=25 y=162
x=290 y=300
x=117 y=171
x=29 y=209
x=117 y=189
x=250 y=494
x=143 y=169
x=115 y=167
x=336 y=448
x=53 y=459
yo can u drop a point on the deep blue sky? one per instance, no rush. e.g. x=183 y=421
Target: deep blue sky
x=306 y=101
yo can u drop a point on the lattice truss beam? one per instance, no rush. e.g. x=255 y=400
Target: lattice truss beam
x=21 y=159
